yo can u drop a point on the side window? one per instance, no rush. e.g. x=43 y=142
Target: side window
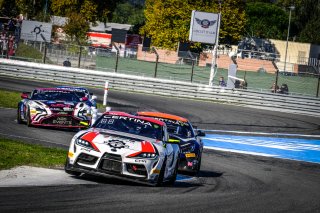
x=165 y=134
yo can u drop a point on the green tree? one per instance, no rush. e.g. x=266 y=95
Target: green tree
x=8 y=8
x=77 y=27
x=266 y=20
x=79 y=15
x=126 y=13
x=168 y=22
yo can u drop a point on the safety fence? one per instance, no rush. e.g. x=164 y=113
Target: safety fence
x=131 y=83
x=189 y=67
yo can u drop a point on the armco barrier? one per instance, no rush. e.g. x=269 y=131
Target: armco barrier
x=67 y=75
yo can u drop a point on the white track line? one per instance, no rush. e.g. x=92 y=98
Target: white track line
x=260 y=133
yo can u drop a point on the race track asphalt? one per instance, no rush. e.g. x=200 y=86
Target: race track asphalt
x=228 y=182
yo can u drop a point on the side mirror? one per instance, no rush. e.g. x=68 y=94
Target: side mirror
x=84 y=99
x=24 y=96
x=94 y=97
x=201 y=133
x=175 y=141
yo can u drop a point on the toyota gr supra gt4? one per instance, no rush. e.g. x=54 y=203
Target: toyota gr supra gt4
x=191 y=145
x=125 y=146
x=54 y=107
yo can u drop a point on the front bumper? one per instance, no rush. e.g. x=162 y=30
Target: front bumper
x=188 y=162
x=109 y=169
x=62 y=122
x=108 y=175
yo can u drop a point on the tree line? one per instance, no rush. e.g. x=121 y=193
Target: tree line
x=168 y=21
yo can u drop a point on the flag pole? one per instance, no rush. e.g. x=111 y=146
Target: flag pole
x=214 y=67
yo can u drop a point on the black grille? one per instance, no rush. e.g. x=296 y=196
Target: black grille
x=87 y=159
x=137 y=169
x=61 y=121
x=111 y=163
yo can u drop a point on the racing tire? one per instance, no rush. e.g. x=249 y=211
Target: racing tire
x=19 y=120
x=161 y=175
x=173 y=178
x=196 y=172
x=29 y=123
x=70 y=172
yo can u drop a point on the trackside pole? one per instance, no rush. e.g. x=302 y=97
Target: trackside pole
x=214 y=67
x=105 y=96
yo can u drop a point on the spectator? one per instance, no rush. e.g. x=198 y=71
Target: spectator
x=222 y=83
x=11 y=25
x=67 y=63
x=274 y=88
x=237 y=84
x=284 y=89
x=11 y=46
x=243 y=84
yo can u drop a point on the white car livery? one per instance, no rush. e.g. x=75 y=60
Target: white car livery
x=125 y=146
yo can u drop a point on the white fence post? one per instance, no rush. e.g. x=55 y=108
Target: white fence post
x=106 y=88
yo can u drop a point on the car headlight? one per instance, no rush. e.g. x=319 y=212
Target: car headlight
x=188 y=147
x=147 y=155
x=143 y=155
x=86 y=144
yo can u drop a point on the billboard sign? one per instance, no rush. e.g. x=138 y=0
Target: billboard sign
x=36 y=31
x=204 y=27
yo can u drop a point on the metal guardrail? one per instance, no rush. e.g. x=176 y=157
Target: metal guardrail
x=130 y=83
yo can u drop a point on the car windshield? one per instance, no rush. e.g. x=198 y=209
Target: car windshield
x=178 y=128
x=55 y=95
x=130 y=125
x=81 y=94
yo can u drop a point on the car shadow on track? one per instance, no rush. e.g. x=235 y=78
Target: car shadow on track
x=202 y=173
x=188 y=181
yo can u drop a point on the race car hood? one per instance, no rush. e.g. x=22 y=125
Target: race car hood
x=113 y=142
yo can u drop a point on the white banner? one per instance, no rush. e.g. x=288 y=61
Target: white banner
x=36 y=31
x=204 y=27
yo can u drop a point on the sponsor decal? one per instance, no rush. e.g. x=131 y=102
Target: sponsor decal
x=85 y=123
x=59 y=105
x=62 y=121
x=136 y=120
x=85 y=149
x=67 y=109
x=70 y=154
x=140 y=161
x=155 y=171
x=62 y=113
x=115 y=144
x=190 y=155
x=205 y=23
x=169 y=121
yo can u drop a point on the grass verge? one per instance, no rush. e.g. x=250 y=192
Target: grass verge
x=15 y=153
x=9 y=99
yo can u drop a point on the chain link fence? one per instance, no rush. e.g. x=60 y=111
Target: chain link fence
x=180 y=68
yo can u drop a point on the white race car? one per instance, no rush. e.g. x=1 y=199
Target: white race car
x=125 y=146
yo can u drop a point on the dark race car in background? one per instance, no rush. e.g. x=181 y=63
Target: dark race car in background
x=54 y=107
x=190 y=142
x=83 y=92
x=127 y=147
